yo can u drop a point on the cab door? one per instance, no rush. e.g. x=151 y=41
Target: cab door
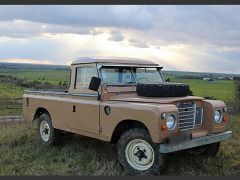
x=85 y=104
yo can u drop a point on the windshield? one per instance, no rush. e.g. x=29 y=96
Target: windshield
x=130 y=75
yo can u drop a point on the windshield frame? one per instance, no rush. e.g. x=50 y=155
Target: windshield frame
x=100 y=66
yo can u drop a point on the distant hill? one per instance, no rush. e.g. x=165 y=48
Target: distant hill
x=198 y=74
x=31 y=67
x=42 y=67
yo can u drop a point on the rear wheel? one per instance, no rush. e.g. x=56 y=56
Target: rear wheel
x=47 y=133
x=209 y=150
x=138 y=154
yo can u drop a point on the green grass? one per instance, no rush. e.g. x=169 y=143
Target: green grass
x=23 y=154
x=10 y=91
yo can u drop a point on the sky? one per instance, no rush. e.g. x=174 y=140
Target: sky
x=201 y=38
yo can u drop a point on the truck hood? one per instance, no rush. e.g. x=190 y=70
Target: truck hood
x=158 y=100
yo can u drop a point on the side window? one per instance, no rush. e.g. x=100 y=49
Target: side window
x=83 y=76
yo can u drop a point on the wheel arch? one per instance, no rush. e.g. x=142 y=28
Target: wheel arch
x=125 y=125
x=39 y=112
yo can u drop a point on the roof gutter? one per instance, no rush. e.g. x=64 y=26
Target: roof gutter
x=100 y=65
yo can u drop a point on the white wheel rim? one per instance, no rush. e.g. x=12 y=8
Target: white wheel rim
x=45 y=131
x=139 y=154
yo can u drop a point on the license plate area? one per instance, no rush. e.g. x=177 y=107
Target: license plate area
x=180 y=138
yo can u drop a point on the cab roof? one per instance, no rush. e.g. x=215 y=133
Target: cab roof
x=114 y=60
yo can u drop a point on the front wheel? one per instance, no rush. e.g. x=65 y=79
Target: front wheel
x=138 y=154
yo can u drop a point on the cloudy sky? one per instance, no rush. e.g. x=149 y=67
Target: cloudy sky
x=187 y=38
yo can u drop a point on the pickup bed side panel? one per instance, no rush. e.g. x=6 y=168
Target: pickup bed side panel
x=58 y=110
x=67 y=113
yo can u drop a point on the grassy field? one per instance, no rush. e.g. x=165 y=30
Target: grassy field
x=8 y=103
x=220 y=89
x=51 y=76
x=22 y=154
x=10 y=91
x=43 y=73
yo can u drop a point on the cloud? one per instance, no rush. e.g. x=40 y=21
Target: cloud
x=203 y=26
x=138 y=43
x=96 y=31
x=90 y=16
x=26 y=29
x=28 y=61
x=116 y=36
x=199 y=36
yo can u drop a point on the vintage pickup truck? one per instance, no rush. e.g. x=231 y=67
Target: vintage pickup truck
x=128 y=102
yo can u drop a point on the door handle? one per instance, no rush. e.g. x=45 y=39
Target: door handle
x=74 y=108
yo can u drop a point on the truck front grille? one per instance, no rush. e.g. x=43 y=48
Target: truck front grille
x=187 y=114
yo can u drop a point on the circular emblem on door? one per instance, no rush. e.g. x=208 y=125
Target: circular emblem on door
x=107 y=110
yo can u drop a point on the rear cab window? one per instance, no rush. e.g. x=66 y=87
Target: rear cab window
x=83 y=75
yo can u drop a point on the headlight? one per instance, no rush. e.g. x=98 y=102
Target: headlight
x=170 y=121
x=217 y=116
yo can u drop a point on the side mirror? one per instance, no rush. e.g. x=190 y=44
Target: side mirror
x=94 y=83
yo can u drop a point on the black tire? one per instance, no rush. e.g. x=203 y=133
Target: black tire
x=163 y=90
x=212 y=149
x=126 y=139
x=209 y=150
x=53 y=133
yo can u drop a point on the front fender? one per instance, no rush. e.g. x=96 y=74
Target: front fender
x=147 y=114
x=209 y=107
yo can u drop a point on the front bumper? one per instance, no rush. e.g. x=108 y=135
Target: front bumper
x=212 y=138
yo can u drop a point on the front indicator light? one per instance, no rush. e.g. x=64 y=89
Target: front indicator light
x=225 y=119
x=163 y=127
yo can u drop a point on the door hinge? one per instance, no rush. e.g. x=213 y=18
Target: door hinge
x=100 y=129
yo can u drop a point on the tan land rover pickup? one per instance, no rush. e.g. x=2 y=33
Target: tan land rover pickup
x=128 y=102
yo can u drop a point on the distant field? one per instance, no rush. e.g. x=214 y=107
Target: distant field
x=51 y=76
x=44 y=73
x=221 y=89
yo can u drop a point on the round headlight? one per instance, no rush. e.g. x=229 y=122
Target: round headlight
x=170 y=121
x=217 y=116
